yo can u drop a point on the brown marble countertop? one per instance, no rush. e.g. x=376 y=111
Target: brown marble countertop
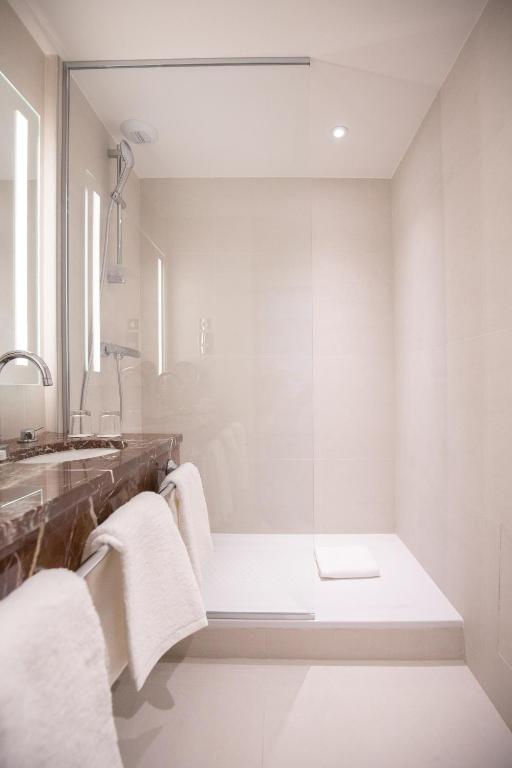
x=45 y=498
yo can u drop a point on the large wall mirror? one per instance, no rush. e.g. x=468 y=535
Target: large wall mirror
x=19 y=231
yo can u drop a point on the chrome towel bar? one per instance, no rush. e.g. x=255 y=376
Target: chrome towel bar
x=95 y=559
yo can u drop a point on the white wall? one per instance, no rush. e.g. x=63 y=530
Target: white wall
x=452 y=229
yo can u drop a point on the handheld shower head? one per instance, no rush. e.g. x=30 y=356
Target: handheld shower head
x=127 y=153
x=128 y=161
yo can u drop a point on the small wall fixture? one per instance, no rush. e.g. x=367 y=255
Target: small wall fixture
x=339 y=131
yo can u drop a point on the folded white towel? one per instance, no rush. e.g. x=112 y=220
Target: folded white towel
x=162 y=599
x=189 y=506
x=345 y=562
x=55 y=704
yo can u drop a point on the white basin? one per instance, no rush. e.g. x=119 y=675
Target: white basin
x=59 y=457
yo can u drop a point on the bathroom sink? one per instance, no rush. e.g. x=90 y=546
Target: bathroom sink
x=59 y=457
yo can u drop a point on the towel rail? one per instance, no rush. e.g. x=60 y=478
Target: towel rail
x=95 y=559
x=100 y=554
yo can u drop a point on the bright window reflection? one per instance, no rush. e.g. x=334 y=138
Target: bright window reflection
x=86 y=279
x=20 y=233
x=96 y=278
x=160 y=311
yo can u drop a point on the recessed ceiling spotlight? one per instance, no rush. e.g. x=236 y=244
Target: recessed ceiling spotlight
x=339 y=132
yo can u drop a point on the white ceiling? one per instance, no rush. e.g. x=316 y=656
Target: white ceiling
x=377 y=67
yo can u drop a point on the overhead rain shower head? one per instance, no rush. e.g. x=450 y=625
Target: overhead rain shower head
x=139 y=132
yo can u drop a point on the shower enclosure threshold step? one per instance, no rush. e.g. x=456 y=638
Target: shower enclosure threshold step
x=225 y=638
x=270 y=616
x=273 y=577
x=264 y=599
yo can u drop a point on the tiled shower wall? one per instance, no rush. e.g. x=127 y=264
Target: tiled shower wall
x=353 y=356
x=293 y=280
x=452 y=203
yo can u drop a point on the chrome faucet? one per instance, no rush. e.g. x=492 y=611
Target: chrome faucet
x=45 y=376
x=38 y=362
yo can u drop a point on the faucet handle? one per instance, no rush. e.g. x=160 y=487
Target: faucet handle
x=29 y=435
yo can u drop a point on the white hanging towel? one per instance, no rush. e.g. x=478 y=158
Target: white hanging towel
x=55 y=703
x=163 y=603
x=191 y=513
x=345 y=562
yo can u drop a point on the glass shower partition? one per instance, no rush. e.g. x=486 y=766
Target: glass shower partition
x=221 y=257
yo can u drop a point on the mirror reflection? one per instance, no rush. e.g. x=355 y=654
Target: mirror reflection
x=19 y=248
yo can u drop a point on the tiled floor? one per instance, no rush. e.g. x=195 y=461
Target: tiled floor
x=244 y=714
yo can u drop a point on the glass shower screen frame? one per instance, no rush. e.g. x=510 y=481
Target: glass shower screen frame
x=226 y=345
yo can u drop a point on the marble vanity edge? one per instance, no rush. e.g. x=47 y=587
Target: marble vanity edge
x=104 y=479
x=53 y=534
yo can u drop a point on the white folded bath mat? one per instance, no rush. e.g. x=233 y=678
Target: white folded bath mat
x=55 y=703
x=345 y=562
x=162 y=598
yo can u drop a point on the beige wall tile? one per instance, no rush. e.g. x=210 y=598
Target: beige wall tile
x=353 y=350
x=351 y=215
x=354 y=318
x=283 y=496
x=354 y=496
x=453 y=324
x=354 y=407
